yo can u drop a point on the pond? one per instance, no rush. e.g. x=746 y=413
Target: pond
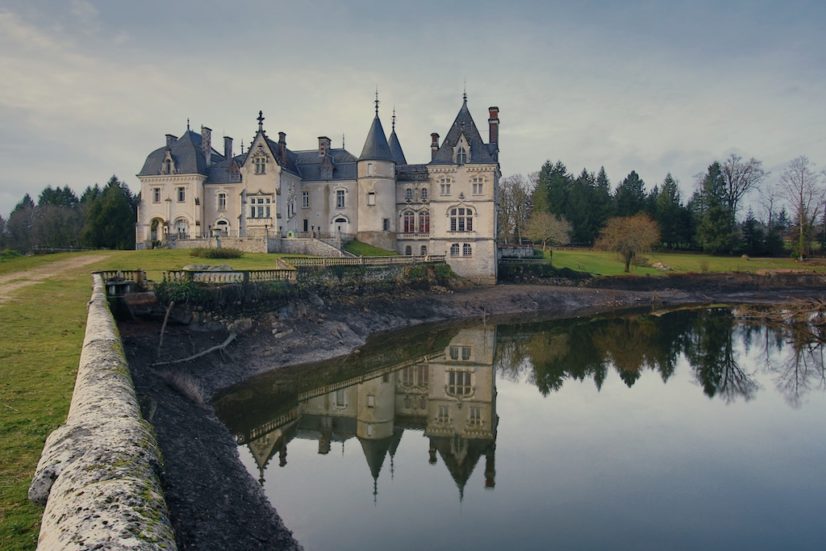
x=693 y=429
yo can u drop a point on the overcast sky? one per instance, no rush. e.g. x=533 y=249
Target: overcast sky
x=89 y=88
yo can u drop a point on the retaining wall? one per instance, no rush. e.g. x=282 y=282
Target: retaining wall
x=302 y=245
x=98 y=475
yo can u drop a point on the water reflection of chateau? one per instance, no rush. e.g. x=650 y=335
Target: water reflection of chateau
x=450 y=396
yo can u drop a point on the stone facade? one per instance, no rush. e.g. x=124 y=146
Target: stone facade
x=190 y=191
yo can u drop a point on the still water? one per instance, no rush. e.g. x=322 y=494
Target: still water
x=687 y=430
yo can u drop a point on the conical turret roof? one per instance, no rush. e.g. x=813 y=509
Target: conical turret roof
x=396 y=150
x=376 y=147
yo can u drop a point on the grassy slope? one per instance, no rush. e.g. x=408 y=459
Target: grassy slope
x=43 y=327
x=607 y=263
x=359 y=248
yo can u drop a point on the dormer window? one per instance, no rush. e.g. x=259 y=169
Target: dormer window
x=260 y=163
x=168 y=164
x=461 y=156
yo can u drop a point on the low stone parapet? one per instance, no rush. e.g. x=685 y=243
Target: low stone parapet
x=98 y=475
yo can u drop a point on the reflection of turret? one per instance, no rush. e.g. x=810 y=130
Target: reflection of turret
x=394 y=445
x=490 y=467
x=375 y=452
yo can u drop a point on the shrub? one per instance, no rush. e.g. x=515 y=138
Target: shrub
x=224 y=252
x=8 y=254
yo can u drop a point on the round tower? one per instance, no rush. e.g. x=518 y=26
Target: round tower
x=377 y=189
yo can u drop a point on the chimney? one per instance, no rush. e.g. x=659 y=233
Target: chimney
x=493 y=125
x=227 y=147
x=206 y=143
x=323 y=145
x=434 y=145
x=170 y=139
x=282 y=146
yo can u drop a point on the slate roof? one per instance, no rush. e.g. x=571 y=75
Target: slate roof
x=480 y=152
x=220 y=172
x=187 y=154
x=376 y=147
x=411 y=173
x=309 y=164
x=396 y=149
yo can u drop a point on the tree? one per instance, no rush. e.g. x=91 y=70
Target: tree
x=20 y=224
x=514 y=206
x=667 y=213
x=801 y=188
x=630 y=195
x=754 y=239
x=629 y=236
x=110 y=220
x=739 y=177
x=553 y=188
x=716 y=232
x=550 y=229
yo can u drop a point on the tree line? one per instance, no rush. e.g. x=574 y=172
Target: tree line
x=103 y=217
x=554 y=206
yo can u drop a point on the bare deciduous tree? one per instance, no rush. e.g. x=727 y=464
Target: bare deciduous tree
x=801 y=188
x=629 y=236
x=740 y=177
x=514 y=205
x=544 y=226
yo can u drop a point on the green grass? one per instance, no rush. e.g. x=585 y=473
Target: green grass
x=43 y=327
x=359 y=248
x=608 y=263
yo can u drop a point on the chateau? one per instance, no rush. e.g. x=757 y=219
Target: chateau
x=191 y=193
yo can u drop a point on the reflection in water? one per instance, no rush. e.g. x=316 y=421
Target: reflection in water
x=450 y=396
x=431 y=398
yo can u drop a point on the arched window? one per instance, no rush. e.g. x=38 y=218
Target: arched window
x=423 y=194
x=408 y=250
x=461 y=156
x=461 y=219
x=454 y=249
x=408 y=195
x=181 y=228
x=223 y=227
x=408 y=219
x=424 y=221
x=466 y=250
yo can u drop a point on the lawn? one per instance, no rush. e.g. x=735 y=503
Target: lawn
x=359 y=248
x=608 y=263
x=43 y=327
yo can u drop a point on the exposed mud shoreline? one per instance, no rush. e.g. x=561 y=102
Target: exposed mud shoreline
x=214 y=503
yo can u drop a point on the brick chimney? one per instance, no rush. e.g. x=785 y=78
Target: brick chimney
x=493 y=125
x=323 y=146
x=434 y=145
x=206 y=144
x=282 y=146
x=170 y=139
x=227 y=148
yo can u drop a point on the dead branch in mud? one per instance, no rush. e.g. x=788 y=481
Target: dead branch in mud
x=219 y=347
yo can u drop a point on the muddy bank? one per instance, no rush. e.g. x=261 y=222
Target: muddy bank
x=214 y=503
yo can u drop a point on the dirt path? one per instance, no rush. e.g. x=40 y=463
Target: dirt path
x=13 y=282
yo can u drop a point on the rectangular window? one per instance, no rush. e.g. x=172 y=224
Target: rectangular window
x=475 y=416
x=467 y=250
x=477 y=188
x=371 y=401
x=442 y=416
x=341 y=399
x=371 y=199
x=259 y=207
x=181 y=194
x=306 y=225
x=445 y=189
x=222 y=201
x=423 y=194
x=305 y=200
x=386 y=224
x=339 y=198
x=156 y=195
x=458 y=383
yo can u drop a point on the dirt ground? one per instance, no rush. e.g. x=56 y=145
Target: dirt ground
x=214 y=502
x=13 y=282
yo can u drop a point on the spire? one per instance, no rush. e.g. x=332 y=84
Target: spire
x=464 y=93
x=396 y=146
x=260 y=120
x=187 y=124
x=376 y=147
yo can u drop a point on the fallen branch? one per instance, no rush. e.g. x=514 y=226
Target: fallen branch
x=163 y=328
x=215 y=348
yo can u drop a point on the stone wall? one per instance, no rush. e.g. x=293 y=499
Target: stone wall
x=246 y=244
x=98 y=475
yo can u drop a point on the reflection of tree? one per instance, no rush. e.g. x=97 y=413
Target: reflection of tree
x=802 y=329
x=710 y=350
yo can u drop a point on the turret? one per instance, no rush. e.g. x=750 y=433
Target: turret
x=377 y=188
